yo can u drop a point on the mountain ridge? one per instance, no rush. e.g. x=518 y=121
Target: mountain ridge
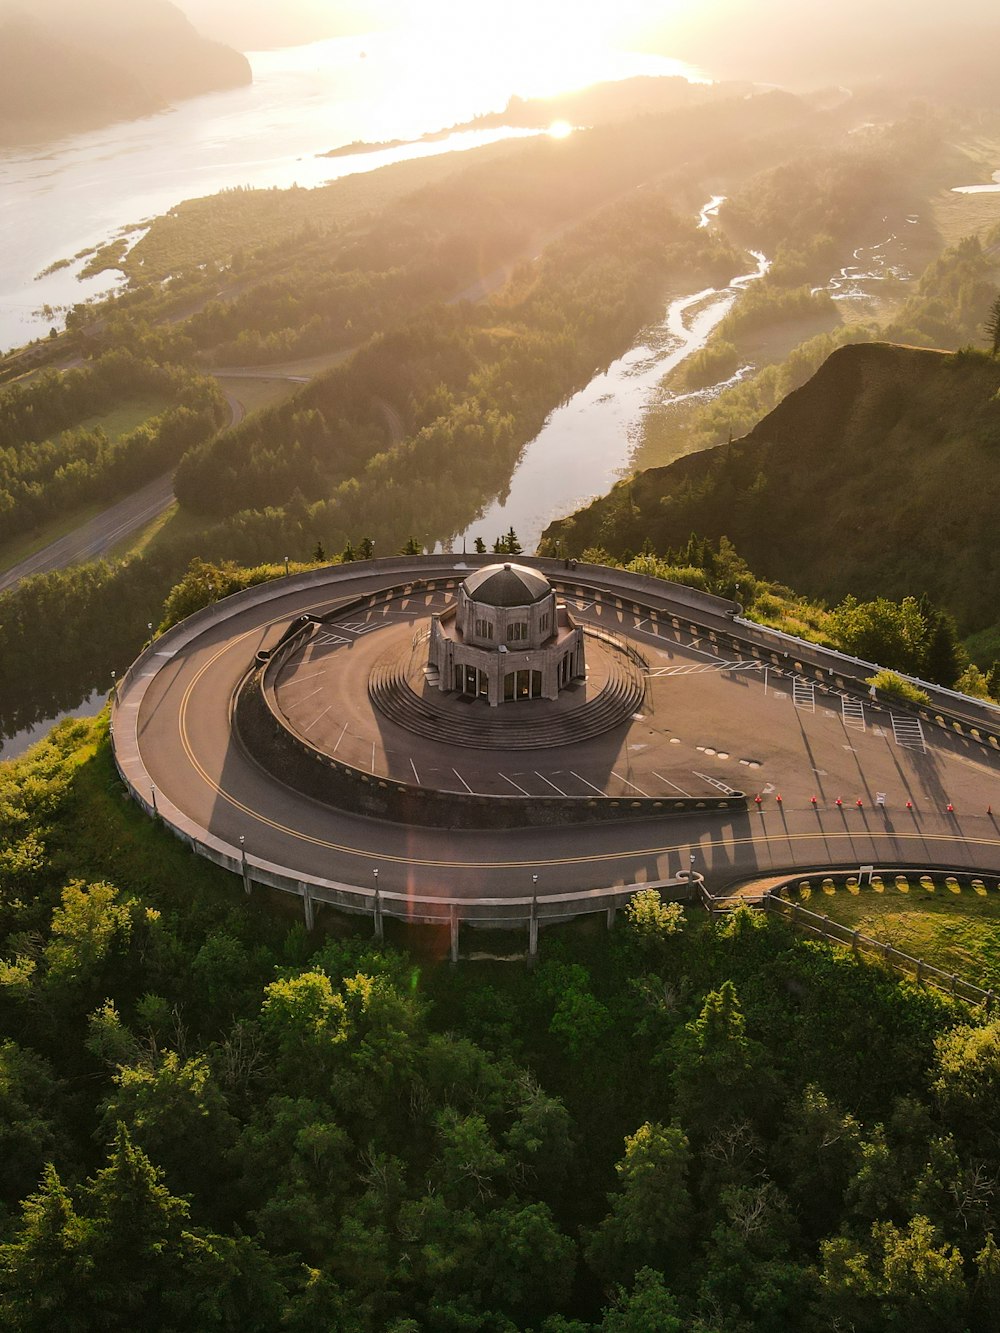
x=67 y=68
x=877 y=477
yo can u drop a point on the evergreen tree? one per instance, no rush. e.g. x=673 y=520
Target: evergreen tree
x=992 y=327
x=943 y=657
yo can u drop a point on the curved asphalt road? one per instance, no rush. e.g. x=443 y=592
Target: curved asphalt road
x=182 y=745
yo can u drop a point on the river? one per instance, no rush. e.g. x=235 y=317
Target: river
x=979 y=189
x=587 y=444
x=583 y=448
x=62 y=198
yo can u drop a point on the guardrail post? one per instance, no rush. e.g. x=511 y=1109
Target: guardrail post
x=611 y=916
x=533 y=933
x=854 y=941
x=308 y=908
x=455 y=923
x=920 y=971
x=379 y=928
x=988 y=1002
x=954 y=983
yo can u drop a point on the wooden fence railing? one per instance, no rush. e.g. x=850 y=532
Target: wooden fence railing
x=917 y=969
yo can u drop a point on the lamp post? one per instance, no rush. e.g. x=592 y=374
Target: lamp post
x=533 y=924
x=379 y=930
x=243 y=866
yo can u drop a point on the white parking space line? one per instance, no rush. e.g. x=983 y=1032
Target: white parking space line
x=513 y=783
x=716 y=782
x=298 y=702
x=297 y=680
x=316 y=719
x=599 y=790
x=465 y=784
x=629 y=784
x=551 y=784
x=671 y=784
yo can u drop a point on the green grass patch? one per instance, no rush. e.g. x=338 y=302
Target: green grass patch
x=954 y=926
x=257 y=393
x=140 y=541
x=121 y=420
x=126 y=416
x=174 y=524
x=15 y=550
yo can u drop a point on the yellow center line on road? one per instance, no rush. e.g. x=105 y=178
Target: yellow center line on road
x=723 y=843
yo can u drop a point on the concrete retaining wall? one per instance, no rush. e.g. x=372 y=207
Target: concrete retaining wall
x=308 y=770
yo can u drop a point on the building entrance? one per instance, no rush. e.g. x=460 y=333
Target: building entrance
x=522 y=685
x=469 y=680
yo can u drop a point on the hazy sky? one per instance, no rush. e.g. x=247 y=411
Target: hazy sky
x=631 y=21
x=801 y=42
x=247 y=21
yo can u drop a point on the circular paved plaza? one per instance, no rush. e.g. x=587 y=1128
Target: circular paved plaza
x=718 y=714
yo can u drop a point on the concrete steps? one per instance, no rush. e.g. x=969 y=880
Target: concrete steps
x=534 y=725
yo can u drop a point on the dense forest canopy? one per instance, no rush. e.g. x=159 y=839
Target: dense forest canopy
x=215 y=1120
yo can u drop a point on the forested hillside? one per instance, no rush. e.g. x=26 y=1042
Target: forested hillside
x=213 y=1120
x=55 y=453
x=471 y=385
x=877 y=477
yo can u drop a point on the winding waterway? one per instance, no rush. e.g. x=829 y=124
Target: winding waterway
x=65 y=197
x=583 y=448
x=588 y=443
x=68 y=196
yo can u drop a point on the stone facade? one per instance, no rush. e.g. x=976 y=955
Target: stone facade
x=506 y=639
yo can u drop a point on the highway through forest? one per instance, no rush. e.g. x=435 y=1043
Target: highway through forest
x=172 y=732
x=101 y=534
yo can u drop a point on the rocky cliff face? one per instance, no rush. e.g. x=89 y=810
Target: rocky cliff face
x=69 y=65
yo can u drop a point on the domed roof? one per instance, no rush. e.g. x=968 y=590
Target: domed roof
x=507 y=585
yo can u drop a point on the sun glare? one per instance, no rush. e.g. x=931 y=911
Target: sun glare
x=560 y=129
x=535 y=49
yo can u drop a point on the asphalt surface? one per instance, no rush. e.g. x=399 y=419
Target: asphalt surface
x=183 y=745
x=98 y=535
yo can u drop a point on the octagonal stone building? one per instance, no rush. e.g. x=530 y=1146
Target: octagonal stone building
x=506 y=639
